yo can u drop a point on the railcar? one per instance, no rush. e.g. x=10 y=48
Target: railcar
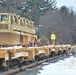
x=16 y=33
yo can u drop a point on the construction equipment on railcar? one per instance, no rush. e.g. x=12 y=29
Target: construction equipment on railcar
x=16 y=30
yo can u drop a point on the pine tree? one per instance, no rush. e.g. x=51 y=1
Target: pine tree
x=37 y=8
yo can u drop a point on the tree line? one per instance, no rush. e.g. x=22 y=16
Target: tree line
x=45 y=13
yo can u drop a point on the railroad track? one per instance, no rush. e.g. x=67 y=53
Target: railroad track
x=16 y=70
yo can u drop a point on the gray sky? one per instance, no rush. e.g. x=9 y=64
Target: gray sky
x=68 y=3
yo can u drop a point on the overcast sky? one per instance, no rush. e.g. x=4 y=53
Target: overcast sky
x=68 y=3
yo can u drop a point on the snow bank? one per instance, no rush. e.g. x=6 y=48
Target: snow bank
x=62 y=67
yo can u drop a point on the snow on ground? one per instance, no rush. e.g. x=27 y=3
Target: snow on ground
x=62 y=67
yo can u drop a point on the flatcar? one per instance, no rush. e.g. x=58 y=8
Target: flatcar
x=15 y=33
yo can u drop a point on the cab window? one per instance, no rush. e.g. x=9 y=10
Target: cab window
x=3 y=18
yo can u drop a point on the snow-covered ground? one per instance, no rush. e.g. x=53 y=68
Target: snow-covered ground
x=62 y=67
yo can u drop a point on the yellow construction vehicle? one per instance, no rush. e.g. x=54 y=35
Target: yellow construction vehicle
x=15 y=30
